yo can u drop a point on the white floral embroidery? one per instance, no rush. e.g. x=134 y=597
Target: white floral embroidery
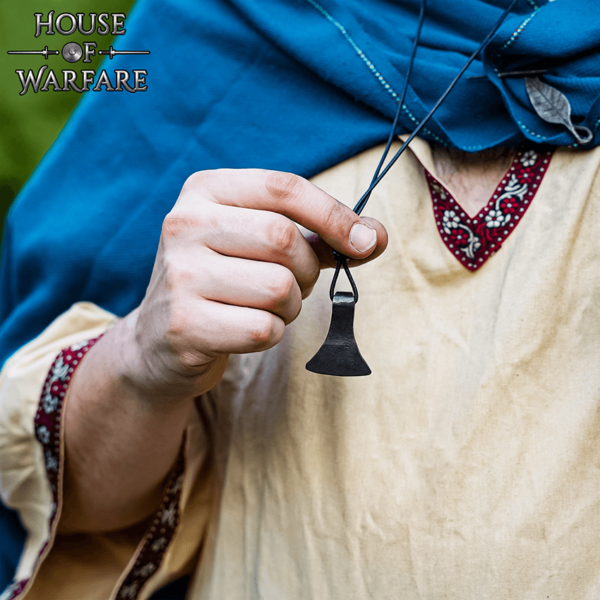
x=512 y=189
x=473 y=245
x=508 y=202
x=450 y=221
x=496 y=219
x=177 y=485
x=145 y=570
x=441 y=192
x=529 y=158
x=79 y=345
x=169 y=514
x=49 y=402
x=43 y=434
x=159 y=544
x=51 y=461
x=59 y=370
x=129 y=591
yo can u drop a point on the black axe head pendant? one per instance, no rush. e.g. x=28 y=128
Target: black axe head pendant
x=339 y=355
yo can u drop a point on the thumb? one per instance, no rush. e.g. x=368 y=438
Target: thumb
x=360 y=238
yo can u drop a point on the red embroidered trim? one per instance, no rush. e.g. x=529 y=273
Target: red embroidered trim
x=473 y=241
x=14 y=589
x=159 y=535
x=47 y=432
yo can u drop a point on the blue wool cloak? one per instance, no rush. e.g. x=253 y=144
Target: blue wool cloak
x=293 y=85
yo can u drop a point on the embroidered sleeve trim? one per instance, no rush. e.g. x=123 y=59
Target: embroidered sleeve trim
x=159 y=536
x=47 y=432
x=47 y=426
x=473 y=241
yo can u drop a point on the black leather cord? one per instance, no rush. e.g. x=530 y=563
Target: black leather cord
x=401 y=102
x=365 y=197
x=340 y=258
x=339 y=354
x=342 y=262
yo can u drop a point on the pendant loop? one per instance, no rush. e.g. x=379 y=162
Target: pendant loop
x=342 y=261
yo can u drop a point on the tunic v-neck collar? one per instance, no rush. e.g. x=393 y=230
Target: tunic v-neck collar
x=474 y=240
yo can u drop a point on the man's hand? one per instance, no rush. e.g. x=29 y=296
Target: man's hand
x=231 y=271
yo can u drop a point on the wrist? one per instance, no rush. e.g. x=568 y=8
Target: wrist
x=146 y=367
x=137 y=368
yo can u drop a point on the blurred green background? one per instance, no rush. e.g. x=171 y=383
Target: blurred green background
x=30 y=123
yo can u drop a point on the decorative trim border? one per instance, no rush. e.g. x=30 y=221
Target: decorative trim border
x=47 y=427
x=159 y=536
x=14 y=589
x=374 y=70
x=47 y=424
x=473 y=241
x=517 y=32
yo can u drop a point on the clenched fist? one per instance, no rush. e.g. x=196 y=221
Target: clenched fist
x=232 y=270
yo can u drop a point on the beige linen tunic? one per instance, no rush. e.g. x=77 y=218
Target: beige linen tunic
x=466 y=467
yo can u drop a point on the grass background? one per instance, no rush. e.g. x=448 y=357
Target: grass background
x=29 y=124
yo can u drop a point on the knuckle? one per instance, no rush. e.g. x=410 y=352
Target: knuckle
x=178 y=275
x=284 y=186
x=197 y=180
x=178 y=222
x=188 y=221
x=282 y=285
x=332 y=216
x=177 y=327
x=188 y=349
x=281 y=235
x=265 y=330
x=179 y=340
x=173 y=225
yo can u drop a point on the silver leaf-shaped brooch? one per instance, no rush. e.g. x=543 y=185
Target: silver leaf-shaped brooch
x=553 y=106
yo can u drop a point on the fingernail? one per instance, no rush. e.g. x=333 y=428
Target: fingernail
x=362 y=237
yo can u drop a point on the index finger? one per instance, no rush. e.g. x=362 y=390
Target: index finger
x=292 y=196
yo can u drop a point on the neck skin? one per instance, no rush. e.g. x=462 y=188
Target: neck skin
x=471 y=177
